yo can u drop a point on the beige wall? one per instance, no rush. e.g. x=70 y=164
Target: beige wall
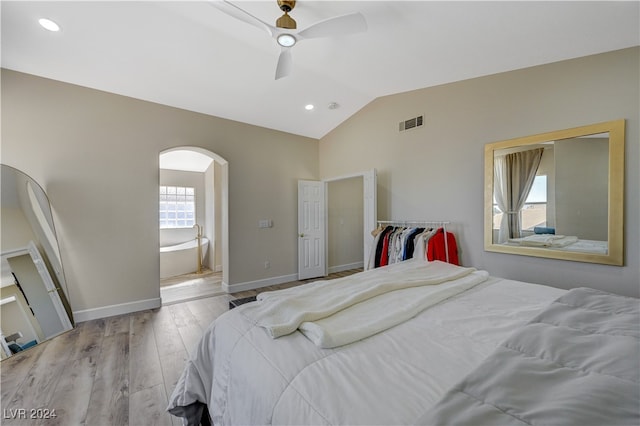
x=436 y=172
x=581 y=204
x=96 y=156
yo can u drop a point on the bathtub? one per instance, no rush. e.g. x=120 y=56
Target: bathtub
x=181 y=258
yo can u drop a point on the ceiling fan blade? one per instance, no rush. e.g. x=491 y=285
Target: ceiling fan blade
x=285 y=63
x=242 y=15
x=340 y=25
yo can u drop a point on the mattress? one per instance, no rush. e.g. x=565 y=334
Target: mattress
x=395 y=376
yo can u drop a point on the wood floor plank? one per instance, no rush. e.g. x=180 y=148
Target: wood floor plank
x=144 y=369
x=116 y=324
x=109 y=401
x=217 y=305
x=148 y=407
x=90 y=335
x=182 y=316
x=71 y=398
x=14 y=370
x=190 y=335
x=38 y=387
x=172 y=366
x=204 y=315
x=168 y=339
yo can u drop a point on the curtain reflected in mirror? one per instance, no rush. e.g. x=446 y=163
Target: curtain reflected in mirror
x=558 y=194
x=33 y=294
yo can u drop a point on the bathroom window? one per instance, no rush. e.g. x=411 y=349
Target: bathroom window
x=177 y=207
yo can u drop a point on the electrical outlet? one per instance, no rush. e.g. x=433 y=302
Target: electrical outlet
x=267 y=264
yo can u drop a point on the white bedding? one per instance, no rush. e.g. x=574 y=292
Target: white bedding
x=565 y=244
x=575 y=363
x=345 y=310
x=393 y=377
x=545 y=240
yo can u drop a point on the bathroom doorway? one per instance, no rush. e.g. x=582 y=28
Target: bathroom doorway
x=193 y=224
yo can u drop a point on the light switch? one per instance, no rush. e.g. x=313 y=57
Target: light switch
x=265 y=223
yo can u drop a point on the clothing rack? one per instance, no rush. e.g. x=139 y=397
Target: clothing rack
x=434 y=223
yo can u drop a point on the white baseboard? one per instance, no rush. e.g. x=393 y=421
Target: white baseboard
x=111 y=310
x=340 y=268
x=252 y=285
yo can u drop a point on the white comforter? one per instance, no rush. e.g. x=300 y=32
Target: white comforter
x=576 y=363
x=245 y=376
x=342 y=311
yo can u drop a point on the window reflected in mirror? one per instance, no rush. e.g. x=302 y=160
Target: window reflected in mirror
x=557 y=194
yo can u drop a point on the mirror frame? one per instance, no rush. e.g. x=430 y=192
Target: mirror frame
x=615 y=255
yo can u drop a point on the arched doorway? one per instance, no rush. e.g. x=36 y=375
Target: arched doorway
x=193 y=185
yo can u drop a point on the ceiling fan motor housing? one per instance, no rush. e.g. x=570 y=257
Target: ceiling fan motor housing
x=286 y=5
x=286 y=21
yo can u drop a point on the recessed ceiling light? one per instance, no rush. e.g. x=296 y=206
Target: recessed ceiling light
x=48 y=24
x=286 y=40
x=309 y=107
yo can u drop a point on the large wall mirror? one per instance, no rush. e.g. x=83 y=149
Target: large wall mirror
x=33 y=292
x=557 y=195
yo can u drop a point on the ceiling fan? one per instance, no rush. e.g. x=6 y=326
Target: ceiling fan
x=286 y=39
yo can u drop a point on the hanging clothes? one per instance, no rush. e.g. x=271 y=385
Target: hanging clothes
x=420 y=249
x=409 y=245
x=371 y=263
x=384 y=235
x=436 y=247
x=393 y=244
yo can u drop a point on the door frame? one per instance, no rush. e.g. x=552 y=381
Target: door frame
x=370 y=211
x=224 y=207
x=369 y=207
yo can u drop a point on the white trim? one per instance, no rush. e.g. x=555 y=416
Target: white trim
x=369 y=207
x=50 y=286
x=7 y=300
x=15 y=252
x=349 y=176
x=119 y=309
x=224 y=200
x=348 y=266
x=252 y=285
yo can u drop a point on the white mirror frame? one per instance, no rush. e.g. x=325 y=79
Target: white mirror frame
x=615 y=254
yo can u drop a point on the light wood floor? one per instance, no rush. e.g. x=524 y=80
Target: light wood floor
x=190 y=287
x=112 y=371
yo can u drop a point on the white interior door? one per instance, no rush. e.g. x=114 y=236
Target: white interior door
x=311 y=229
x=40 y=290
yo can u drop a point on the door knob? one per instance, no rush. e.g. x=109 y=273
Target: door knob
x=301 y=235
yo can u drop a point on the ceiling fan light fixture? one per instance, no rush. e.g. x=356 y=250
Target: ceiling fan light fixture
x=286 y=40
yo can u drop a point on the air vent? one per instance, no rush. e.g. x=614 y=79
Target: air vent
x=411 y=123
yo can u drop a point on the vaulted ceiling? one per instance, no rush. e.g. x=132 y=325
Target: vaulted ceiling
x=193 y=56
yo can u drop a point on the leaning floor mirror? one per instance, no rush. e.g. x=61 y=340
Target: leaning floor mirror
x=33 y=293
x=557 y=195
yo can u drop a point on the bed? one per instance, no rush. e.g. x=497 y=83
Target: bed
x=417 y=343
x=562 y=243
